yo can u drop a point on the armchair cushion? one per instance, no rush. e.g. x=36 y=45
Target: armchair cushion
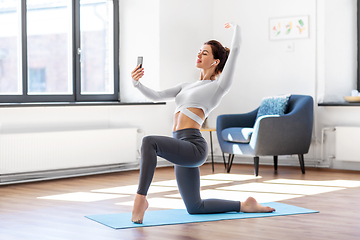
x=276 y=105
x=237 y=134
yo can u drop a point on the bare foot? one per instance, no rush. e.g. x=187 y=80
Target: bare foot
x=140 y=206
x=252 y=206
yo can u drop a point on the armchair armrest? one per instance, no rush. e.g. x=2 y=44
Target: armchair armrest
x=236 y=120
x=233 y=120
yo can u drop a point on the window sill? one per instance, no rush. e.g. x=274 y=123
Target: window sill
x=72 y=104
x=339 y=104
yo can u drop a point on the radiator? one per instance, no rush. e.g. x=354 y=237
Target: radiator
x=347 y=144
x=44 y=151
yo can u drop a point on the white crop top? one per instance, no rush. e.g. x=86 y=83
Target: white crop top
x=203 y=94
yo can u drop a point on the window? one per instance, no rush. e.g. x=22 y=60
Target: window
x=59 y=50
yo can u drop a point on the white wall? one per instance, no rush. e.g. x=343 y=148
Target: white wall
x=184 y=27
x=169 y=33
x=139 y=36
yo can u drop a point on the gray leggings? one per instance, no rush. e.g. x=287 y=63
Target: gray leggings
x=187 y=149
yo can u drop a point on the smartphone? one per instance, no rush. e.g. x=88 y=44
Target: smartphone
x=140 y=61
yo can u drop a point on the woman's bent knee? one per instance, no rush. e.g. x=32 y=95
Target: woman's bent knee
x=147 y=142
x=195 y=209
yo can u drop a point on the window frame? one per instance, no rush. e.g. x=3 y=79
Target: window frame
x=76 y=95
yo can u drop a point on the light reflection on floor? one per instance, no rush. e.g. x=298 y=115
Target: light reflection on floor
x=229 y=177
x=167 y=195
x=281 y=188
x=331 y=183
x=82 y=197
x=131 y=189
x=203 y=182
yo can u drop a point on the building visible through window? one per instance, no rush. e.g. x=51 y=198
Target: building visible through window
x=37 y=80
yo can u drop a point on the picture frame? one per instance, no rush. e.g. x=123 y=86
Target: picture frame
x=289 y=28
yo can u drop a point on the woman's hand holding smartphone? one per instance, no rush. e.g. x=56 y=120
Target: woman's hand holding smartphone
x=138 y=72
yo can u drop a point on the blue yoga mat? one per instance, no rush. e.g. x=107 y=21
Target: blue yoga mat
x=180 y=216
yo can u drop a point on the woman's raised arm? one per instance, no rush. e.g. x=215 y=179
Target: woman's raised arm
x=227 y=74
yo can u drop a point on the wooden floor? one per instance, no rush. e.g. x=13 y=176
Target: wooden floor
x=25 y=215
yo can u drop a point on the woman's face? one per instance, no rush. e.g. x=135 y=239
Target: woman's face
x=205 y=58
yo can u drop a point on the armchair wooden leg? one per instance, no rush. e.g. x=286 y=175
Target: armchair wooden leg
x=224 y=160
x=231 y=159
x=275 y=162
x=302 y=163
x=256 y=166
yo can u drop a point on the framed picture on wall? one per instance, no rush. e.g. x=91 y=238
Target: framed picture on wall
x=289 y=28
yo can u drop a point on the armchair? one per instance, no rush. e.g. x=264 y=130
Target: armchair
x=273 y=135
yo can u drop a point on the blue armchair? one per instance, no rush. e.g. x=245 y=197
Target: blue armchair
x=272 y=135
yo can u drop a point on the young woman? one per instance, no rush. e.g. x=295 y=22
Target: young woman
x=187 y=149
